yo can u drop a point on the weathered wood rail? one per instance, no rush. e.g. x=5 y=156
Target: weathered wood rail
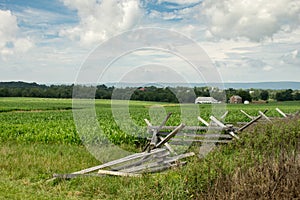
x=159 y=155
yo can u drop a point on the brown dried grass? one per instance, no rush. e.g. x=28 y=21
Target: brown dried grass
x=276 y=172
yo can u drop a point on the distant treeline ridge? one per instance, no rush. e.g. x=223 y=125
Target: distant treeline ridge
x=151 y=93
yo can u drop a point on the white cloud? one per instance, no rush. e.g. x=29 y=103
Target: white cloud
x=267 y=68
x=102 y=20
x=253 y=19
x=225 y=48
x=245 y=70
x=292 y=57
x=10 y=40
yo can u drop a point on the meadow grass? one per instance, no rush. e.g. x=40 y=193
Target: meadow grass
x=263 y=164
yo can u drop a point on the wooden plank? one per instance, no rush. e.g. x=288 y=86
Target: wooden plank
x=247 y=114
x=129 y=165
x=168 y=146
x=203 y=121
x=280 y=112
x=179 y=157
x=223 y=126
x=252 y=121
x=119 y=161
x=118 y=173
x=143 y=160
x=161 y=138
x=159 y=168
x=152 y=170
x=148 y=123
x=187 y=128
x=154 y=138
x=233 y=135
x=164 y=161
x=224 y=116
x=209 y=135
x=183 y=142
x=220 y=124
x=158 y=128
x=144 y=167
x=164 y=121
x=147 y=145
x=70 y=176
x=168 y=137
x=265 y=116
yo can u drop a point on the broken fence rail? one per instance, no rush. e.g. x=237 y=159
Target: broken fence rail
x=157 y=159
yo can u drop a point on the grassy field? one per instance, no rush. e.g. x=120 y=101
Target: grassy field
x=38 y=137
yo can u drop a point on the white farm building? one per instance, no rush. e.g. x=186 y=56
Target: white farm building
x=202 y=100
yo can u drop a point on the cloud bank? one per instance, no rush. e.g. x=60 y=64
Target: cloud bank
x=10 y=40
x=252 y=19
x=102 y=20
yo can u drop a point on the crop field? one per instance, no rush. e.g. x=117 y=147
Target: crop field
x=51 y=120
x=38 y=137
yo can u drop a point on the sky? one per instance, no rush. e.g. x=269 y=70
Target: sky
x=56 y=41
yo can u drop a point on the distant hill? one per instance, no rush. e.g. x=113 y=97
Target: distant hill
x=145 y=92
x=21 y=84
x=265 y=85
x=257 y=85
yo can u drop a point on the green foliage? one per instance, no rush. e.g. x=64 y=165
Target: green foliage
x=51 y=120
x=245 y=95
x=261 y=164
x=38 y=138
x=264 y=95
x=149 y=93
x=202 y=91
x=284 y=95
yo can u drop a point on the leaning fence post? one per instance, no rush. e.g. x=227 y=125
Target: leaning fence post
x=252 y=121
x=170 y=135
x=224 y=127
x=247 y=114
x=265 y=116
x=161 y=138
x=280 y=112
x=223 y=116
x=203 y=121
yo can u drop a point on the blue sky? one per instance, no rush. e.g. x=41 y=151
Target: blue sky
x=50 y=41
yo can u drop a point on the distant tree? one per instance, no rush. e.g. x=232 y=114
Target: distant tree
x=230 y=92
x=201 y=91
x=255 y=94
x=297 y=96
x=34 y=92
x=286 y=95
x=264 y=95
x=245 y=95
x=4 y=92
x=151 y=93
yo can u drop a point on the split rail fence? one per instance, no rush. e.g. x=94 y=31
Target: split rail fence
x=159 y=155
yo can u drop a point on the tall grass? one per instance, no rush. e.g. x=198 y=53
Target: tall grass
x=267 y=167
x=263 y=164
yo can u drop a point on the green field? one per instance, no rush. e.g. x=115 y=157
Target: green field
x=38 y=137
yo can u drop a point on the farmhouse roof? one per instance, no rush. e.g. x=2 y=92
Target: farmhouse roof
x=206 y=99
x=236 y=96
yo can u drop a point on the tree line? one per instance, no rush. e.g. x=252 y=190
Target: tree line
x=151 y=93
